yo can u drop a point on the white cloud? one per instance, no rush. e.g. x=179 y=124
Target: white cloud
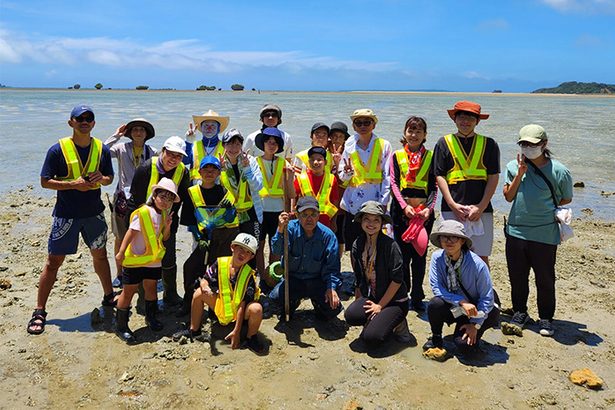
x=179 y=54
x=586 y=6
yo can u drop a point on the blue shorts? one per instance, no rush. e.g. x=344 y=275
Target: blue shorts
x=64 y=236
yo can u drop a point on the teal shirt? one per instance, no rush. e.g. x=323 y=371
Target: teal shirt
x=532 y=214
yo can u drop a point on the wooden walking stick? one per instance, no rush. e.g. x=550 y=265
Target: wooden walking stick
x=286 y=273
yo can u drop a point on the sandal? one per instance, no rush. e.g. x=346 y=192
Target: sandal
x=36 y=325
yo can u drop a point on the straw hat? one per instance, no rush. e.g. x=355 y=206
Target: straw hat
x=364 y=112
x=211 y=116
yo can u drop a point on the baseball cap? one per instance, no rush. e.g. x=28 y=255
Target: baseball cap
x=246 y=241
x=307 y=202
x=175 y=144
x=532 y=133
x=80 y=109
x=271 y=107
x=319 y=125
x=210 y=160
x=230 y=134
x=317 y=150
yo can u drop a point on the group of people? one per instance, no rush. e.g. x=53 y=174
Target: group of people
x=235 y=193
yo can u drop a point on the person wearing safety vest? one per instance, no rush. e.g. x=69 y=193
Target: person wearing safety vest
x=467 y=169
x=228 y=288
x=212 y=219
x=338 y=134
x=141 y=254
x=167 y=165
x=76 y=167
x=412 y=209
x=241 y=176
x=277 y=185
x=363 y=169
x=320 y=138
x=211 y=125
x=271 y=117
x=322 y=185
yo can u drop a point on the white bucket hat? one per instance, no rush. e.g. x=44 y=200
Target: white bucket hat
x=449 y=227
x=167 y=185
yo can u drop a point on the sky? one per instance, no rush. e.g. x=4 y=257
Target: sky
x=449 y=45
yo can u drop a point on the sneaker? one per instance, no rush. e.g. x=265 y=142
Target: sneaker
x=117 y=282
x=402 y=333
x=255 y=345
x=546 y=327
x=516 y=324
x=434 y=341
x=186 y=333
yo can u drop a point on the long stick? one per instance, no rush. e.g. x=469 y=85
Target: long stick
x=286 y=275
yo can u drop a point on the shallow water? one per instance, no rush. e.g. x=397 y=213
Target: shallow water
x=581 y=129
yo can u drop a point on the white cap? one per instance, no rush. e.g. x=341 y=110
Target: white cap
x=175 y=144
x=246 y=241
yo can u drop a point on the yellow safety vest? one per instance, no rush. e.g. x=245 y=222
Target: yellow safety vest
x=303 y=156
x=73 y=162
x=240 y=197
x=372 y=172
x=229 y=299
x=422 y=176
x=272 y=188
x=198 y=201
x=466 y=167
x=155 y=177
x=198 y=153
x=324 y=204
x=154 y=249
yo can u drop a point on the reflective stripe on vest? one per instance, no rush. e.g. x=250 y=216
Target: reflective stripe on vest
x=324 y=204
x=73 y=162
x=272 y=188
x=466 y=167
x=198 y=153
x=229 y=299
x=422 y=176
x=240 y=197
x=154 y=249
x=199 y=203
x=155 y=177
x=372 y=174
x=303 y=156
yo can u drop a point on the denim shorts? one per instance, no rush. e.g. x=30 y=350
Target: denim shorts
x=64 y=236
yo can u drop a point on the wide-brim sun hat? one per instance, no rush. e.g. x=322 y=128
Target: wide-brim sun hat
x=364 y=112
x=167 y=185
x=140 y=122
x=449 y=227
x=246 y=241
x=211 y=116
x=467 y=106
x=267 y=133
x=373 y=208
x=532 y=133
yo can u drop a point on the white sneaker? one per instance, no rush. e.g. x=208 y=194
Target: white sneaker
x=546 y=327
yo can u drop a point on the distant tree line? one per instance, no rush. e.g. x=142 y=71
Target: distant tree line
x=573 y=87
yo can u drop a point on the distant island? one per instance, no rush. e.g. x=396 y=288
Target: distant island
x=573 y=87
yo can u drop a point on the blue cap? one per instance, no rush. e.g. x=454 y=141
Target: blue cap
x=80 y=109
x=210 y=160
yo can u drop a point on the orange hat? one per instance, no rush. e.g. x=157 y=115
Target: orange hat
x=467 y=106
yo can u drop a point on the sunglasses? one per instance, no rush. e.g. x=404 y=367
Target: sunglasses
x=272 y=114
x=84 y=118
x=364 y=123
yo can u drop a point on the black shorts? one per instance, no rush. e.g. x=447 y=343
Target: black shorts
x=352 y=230
x=134 y=276
x=269 y=225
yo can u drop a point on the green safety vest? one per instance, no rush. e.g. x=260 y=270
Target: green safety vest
x=324 y=204
x=239 y=197
x=272 y=188
x=155 y=177
x=198 y=153
x=198 y=201
x=229 y=299
x=466 y=167
x=154 y=249
x=370 y=173
x=73 y=162
x=422 y=177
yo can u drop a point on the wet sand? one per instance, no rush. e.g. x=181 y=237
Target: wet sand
x=309 y=363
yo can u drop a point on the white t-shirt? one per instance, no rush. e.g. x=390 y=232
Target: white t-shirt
x=138 y=242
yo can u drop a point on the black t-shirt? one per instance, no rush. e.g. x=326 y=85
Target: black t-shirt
x=212 y=197
x=72 y=203
x=466 y=192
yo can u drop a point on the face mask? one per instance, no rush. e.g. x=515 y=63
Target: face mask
x=531 y=152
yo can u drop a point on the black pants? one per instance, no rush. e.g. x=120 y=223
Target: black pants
x=521 y=255
x=313 y=289
x=412 y=261
x=381 y=326
x=439 y=312
x=352 y=230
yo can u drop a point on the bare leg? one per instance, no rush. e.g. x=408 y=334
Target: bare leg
x=47 y=279
x=118 y=265
x=149 y=287
x=254 y=315
x=102 y=269
x=196 y=313
x=125 y=298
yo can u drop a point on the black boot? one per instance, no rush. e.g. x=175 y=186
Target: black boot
x=169 y=281
x=151 y=309
x=141 y=300
x=122 y=329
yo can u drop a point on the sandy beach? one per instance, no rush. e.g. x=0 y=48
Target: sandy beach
x=309 y=364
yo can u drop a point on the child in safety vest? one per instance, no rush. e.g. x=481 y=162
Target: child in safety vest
x=212 y=219
x=338 y=134
x=141 y=256
x=228 y=287
x=318 y=183
x=320 y=138
x=277 y=189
